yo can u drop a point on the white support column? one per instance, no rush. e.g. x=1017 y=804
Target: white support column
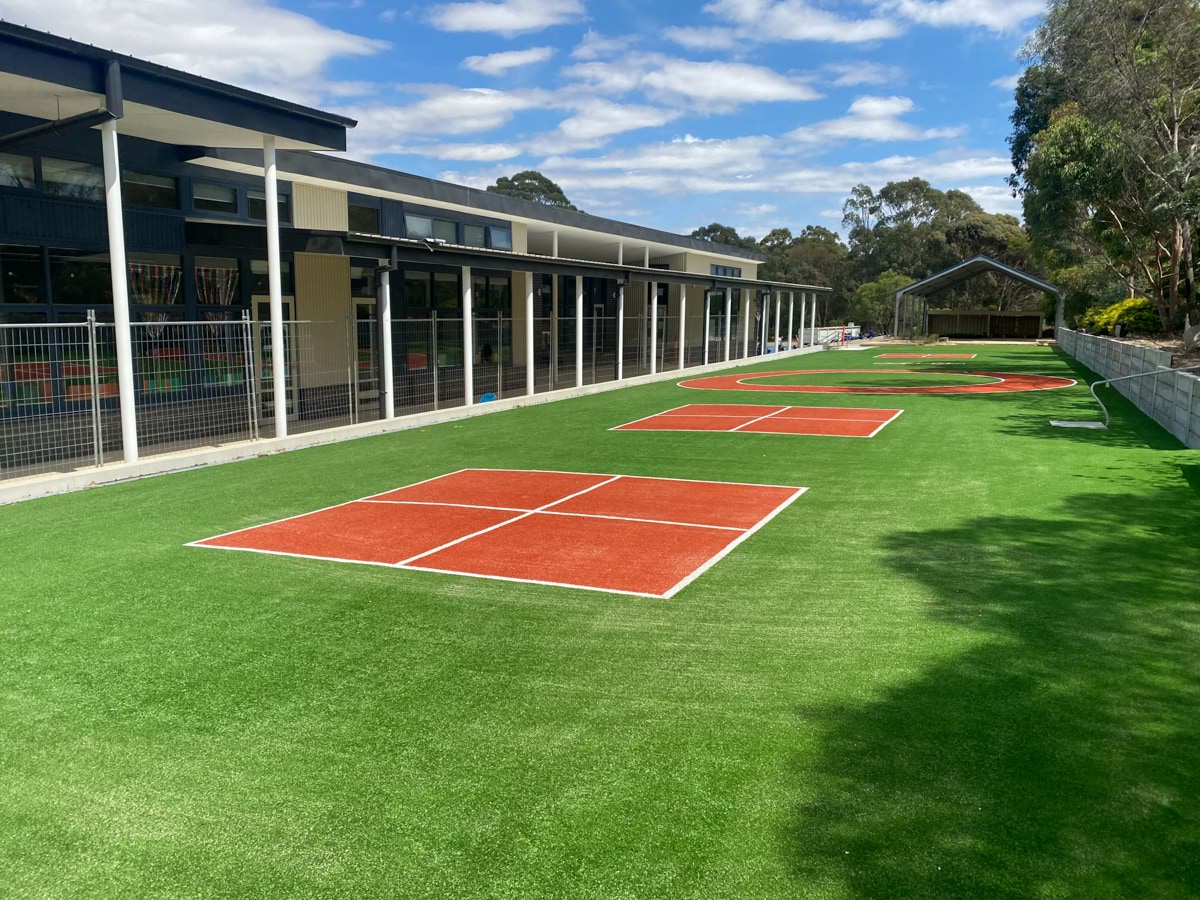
x=764 y=322
x=778 y=300
x=707 y=322
x=620 y=253
x=554 y=331
x=682 y=325
x=646 y=259
x=120 y=289
x=468 y=312
x=275 y=287
x=578 y=331
x=803 y=312
x=814 y=319
x=728 y=320
x=387 y=383
x=620 y=332
x=745 y=323
x=529 y=357
x=791 y=316
x=653 y=288
x=554 y=243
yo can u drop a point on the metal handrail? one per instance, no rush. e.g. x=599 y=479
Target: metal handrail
x=1106 y=381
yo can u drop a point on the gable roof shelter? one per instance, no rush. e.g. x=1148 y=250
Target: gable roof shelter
x=976 y=265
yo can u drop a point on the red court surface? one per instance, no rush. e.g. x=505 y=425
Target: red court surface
x=829 y=421
x=650 y=537
x=999 y=383
x=925 y=356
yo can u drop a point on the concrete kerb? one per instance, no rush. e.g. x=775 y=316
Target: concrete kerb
x=64 y=482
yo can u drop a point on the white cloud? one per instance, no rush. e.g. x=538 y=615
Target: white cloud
x=759 y=21
x=733 y=156
x=499 y=63
x=464 y=152
x=995 y=198
x=871 y=119
x=595 y=45
x=714 y=86
x=220 y=39
x=505 y=17
x=444 y=110
x=1007 y=83
x=996 y=15
x=852 y=74
x=594 y=121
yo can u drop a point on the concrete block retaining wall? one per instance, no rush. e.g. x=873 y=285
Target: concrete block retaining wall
x=1172 y=400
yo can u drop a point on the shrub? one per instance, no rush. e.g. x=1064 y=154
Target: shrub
x=1133 y=314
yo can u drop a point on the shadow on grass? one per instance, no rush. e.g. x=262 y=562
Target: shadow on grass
x=1061 y=757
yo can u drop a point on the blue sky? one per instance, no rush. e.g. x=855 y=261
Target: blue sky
x=754 y=113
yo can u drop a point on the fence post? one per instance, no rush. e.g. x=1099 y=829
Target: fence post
x=248 y=366
x=500 y=356
x=93 y=363
x=352 y=364
x=435 y=357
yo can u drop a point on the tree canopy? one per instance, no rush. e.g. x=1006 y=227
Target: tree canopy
x=533 y=186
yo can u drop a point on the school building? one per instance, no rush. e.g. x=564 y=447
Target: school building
x=183 y=264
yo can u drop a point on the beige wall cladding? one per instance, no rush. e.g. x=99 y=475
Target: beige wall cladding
x=323 y=301
x=1172 y=399
x=318 y=208
x=520 y=237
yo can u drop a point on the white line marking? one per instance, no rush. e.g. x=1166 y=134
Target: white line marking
x=524 y=515
x=786 y=487
x=339 y=559
x=509 y=578
x=552 y=512
x=759 y=419
x=721 y=554
x=652 y=415
x=435 y=503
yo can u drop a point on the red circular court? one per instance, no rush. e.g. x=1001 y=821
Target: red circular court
x=999 y=383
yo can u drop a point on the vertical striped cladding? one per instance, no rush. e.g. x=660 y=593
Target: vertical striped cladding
x=323 y=298
x=318 y=208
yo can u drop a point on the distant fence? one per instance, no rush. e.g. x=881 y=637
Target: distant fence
x=1172 y=399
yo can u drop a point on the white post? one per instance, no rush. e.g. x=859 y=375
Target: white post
x=620 y=253
x=387 y=385
x=275 y=287
x=764 y=316
x=814 y=319
x=745 y=323
x=646 y=259
x=707 y=319
x=803 y=314
x=468 y=313
x=728 y=320
x=791 y=313
x=653 y=326
x=529 y=358
x=554 y=331
x=578 y=331
x=682 y=323
x=120 y=289
x=620 y=332
x=778 y=300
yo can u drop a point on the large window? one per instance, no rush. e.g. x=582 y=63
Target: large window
x=216 y=281
x=81 y=277
x=445 y=291
x=362 y=281
x=259 y=278
x=256 y=206
x=418 y=226
x=77 y=180
x=473 y=236
x=416 y=291
x=157 y=191
x=16 y=171
x=214 y=197
x=20 y=274
x=364 y=219
x=501 y=238
x=492 y=293
x=155 y=279
x=445 y=231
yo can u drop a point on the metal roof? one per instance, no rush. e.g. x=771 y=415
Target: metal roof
x=976 y=265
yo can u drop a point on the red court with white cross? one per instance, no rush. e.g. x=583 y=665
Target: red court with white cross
x=828 y=421
x=618 y=533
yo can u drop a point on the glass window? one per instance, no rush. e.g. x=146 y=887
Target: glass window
x=155 y=279
x=141 y=189
x=445 y=231
x=256 y=206
x=214 y=197
x=77 y=180
x=259 y=280
x=445 y=291
x=499 y=295
x=501 y=238
x=416 y=290
x=418 y=226
x=81 y=277
x=16 y=171
x=364 y=219
x=726 y=271
x=20 y=274
x=362 y=281
x=473 y=235
x=216 y=281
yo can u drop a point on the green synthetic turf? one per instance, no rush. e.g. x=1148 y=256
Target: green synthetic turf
x=965 y=663
x=878 y=378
